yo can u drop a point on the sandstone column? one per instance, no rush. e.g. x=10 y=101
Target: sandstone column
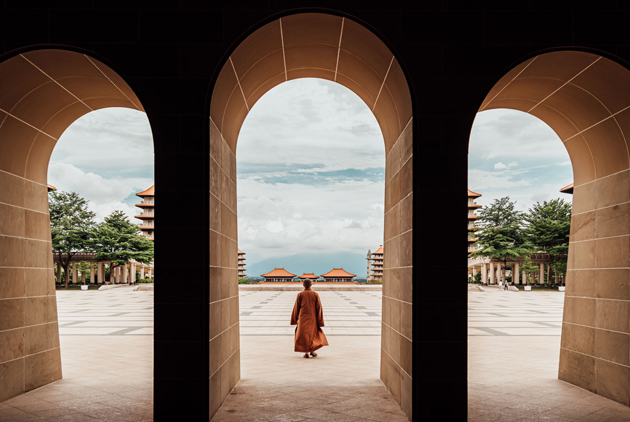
x=515 y=278
x=491 y=272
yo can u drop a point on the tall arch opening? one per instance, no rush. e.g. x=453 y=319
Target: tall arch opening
x=584 y=98
x=42 y=93
x=337 y=49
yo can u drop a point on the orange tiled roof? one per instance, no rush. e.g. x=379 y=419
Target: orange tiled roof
x=309 y=275
x=567 y=189
x=338 y=273
x=51 y=187
x=379 y=251
x=148 y=192
x=473 y=194
x=278 y=272
x=240 y=252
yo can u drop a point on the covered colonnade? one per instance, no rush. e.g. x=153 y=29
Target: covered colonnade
x=425 y=70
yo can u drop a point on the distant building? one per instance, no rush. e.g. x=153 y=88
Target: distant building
x=472 y=207
x=338 y=275
x=375 y=266
x=308 y=276
x=278 y=275
x=147 y=215
x=241 y=264
x=51 y=188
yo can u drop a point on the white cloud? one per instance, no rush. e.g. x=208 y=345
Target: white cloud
x=311 y=121
x=105 y=195
x=505 y=133
x=500 y=166
x=284 y=219
x=110 y=142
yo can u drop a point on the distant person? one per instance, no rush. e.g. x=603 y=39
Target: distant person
x=506 y=285
x=309 y=318
x=500 y=285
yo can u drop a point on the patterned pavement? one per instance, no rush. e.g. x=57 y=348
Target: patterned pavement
x=346 y=313
x=514 y=342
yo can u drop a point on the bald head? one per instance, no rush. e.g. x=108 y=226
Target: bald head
x=307 y=283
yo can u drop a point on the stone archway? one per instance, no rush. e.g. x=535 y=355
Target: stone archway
x=42 y=93
x=585 y=99
x=341 y=50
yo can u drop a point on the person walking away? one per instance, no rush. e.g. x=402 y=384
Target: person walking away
x=308 y=315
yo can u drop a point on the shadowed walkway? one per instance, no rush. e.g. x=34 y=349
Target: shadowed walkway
x=341 y=384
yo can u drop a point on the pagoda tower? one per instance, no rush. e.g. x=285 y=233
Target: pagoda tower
x=241 y=264
x=472 y=207
x=376 y=268
x=147 y=215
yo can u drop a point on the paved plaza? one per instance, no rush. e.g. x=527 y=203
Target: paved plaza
x=107 y=355
x=513 y=354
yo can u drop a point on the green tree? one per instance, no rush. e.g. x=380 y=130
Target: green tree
x=548 y=228
x=501 y=234
x=117 y=240
x=71 y=226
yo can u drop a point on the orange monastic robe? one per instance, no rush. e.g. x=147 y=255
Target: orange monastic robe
x=309 y=317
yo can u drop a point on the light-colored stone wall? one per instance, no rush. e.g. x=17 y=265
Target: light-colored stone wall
x=29 y=333
x=595 y=348
x=224 y=322
x=396 y=341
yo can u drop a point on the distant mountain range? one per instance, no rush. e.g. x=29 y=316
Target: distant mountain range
x=308 y=263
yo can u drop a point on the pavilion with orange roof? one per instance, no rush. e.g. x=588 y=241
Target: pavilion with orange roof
x=338 y=275
x=308 y=276
x=278 y=275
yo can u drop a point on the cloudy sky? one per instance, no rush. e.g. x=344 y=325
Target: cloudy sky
x=310 y=166
x=310 y=161
x=106 y=157
x=517 y=155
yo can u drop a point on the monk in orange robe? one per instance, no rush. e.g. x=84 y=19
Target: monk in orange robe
x=309 y=318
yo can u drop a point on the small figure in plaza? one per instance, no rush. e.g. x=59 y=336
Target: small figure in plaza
x=309 y=318
x=506 y=285
x=500 y=285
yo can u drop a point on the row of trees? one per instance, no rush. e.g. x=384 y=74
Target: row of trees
x=74 y=230
x=506 y=234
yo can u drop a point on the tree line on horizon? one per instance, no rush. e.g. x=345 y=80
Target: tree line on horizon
x=507 y=234
x=74 y=230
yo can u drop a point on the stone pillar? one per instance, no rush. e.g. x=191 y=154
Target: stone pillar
x=125 y=274
x=150 y=273
x=141 y=271
x=83 y=275
x=541 y=273
x=59 y=280
x=75 y=273
x=491 y=273
x=484 y=273
x=474 y=272
x=515 y=274
x=100 y=272
x=132 y=274
x=92 y=273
